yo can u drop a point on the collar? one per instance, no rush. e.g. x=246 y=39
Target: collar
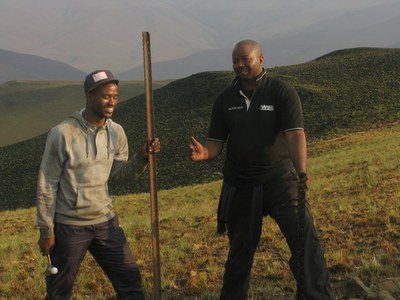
x=92 y=126
x=259 y=79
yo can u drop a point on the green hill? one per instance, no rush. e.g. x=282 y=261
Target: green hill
x=30 y=108
x=347 y=90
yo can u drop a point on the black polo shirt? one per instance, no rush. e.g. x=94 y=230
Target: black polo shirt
x=256 y=148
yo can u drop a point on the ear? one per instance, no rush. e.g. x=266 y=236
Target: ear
x=89 y=97
x=261 y=60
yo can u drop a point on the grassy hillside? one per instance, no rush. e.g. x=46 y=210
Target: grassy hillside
x=355 y=197
x=32 y=107
x=349 y=90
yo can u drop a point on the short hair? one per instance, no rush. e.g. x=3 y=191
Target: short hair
x=253 y=43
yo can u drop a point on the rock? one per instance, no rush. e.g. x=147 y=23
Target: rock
x=356 y=289
x=380 y=295
x=387 y=289
x=392 y=285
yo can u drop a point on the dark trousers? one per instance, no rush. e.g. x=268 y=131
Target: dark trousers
x=108 y=245
x=279 y=199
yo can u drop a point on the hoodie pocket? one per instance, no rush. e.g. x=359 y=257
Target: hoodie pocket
x=93 y=202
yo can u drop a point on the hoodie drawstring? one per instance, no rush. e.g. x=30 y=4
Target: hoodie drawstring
x=108 y=142
x=87 y=141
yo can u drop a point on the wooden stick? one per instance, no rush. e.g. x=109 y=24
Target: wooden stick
x=152 y=166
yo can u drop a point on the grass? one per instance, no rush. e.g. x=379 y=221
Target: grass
x=355 y=198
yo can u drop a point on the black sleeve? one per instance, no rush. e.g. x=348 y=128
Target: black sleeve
x=217 y=130
x=291 y=112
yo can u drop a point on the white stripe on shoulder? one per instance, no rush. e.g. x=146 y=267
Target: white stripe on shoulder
x=215 y=140
x=293 y=129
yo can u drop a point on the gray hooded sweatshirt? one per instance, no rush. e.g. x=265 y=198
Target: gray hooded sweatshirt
x=78 y=162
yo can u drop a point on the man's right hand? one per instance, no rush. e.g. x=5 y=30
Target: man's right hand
x=197 y=150
x=46 y=245
x=209 y=151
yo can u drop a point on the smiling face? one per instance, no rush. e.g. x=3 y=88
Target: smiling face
x=100 y=103
x=247 y=60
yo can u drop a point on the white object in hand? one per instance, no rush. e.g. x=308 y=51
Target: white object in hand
x=51 y=270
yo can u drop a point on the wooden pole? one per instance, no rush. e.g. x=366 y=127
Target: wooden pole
x=152 y=166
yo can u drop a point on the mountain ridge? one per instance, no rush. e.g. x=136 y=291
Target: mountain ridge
x=21 y=66
x=291 y=32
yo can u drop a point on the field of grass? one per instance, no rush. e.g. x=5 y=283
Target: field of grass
x=31 y=108
x=355 y=199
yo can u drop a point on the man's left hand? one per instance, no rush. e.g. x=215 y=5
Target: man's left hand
x=304 y=181
x=150 y=147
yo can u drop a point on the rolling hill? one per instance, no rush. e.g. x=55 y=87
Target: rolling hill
x=21 y=66
x=343 y=91
x=25 y=103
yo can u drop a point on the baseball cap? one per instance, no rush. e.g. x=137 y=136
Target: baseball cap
x=97 y=78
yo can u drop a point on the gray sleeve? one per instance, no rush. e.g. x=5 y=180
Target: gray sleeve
x=125 y=171
x=122 y=170
x=50 y=171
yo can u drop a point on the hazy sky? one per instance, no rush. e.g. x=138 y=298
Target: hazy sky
x=90 y=32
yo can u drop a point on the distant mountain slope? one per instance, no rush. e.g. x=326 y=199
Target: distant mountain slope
x=206 y=60
x=18 y=66
x=26 y=102
x=99 y=33
x=290 y=31
x=347 y=90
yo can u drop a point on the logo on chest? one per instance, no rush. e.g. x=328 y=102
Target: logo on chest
x=266 y=107
x=235 y=107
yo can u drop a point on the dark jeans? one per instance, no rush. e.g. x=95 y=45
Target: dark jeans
x=280 y=202
x=108 y=245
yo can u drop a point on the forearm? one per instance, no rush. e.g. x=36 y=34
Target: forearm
x=125 y=171
x=297 y=148
x=46 y=209
x=212 y=149
x=51 y=168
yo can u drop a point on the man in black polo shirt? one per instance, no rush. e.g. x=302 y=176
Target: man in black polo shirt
x=261 y=120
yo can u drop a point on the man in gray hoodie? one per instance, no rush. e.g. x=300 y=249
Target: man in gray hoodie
x=74 y=209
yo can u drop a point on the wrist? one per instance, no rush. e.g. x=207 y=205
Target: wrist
x=302 y=174
x=46 y=233
x=205 y=156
